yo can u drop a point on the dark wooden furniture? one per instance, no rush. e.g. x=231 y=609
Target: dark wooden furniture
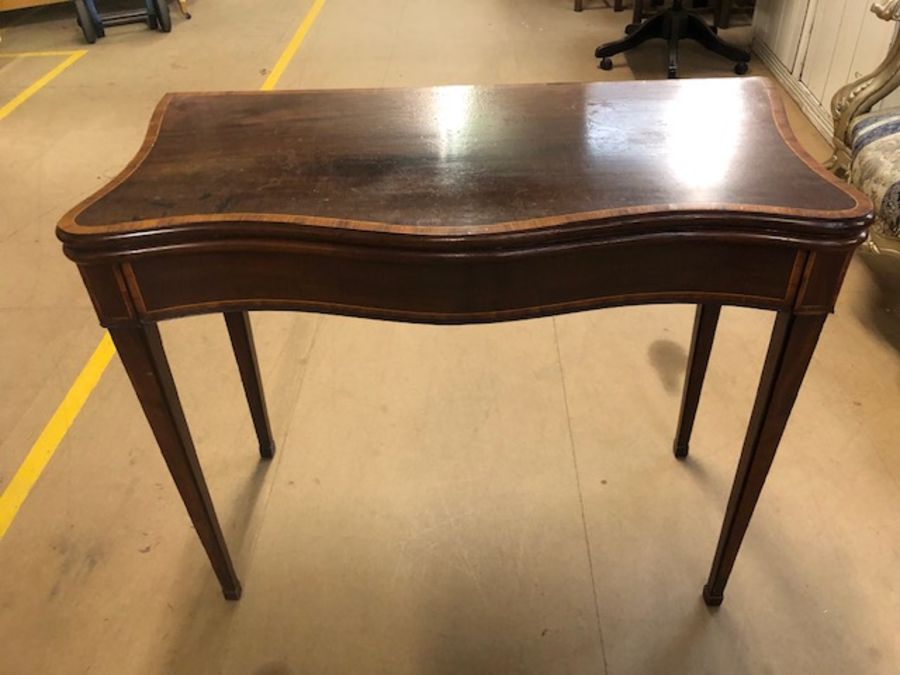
x=673 y=24
x=724 y=9
x=618 y=5
x=454 y=205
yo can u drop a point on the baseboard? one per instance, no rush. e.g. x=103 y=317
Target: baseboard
x=813 y=109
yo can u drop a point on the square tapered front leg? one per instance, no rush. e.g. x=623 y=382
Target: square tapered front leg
x=141 y=350
x=793 y=341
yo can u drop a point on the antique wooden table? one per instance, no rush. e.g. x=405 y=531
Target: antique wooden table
x=457 y=205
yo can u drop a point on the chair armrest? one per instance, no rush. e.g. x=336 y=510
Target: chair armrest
x=860 y=96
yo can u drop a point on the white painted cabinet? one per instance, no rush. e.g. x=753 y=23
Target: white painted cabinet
x=814 y=47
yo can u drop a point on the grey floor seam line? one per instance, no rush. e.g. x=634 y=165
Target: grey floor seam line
x=587 y=543
x=390 y=58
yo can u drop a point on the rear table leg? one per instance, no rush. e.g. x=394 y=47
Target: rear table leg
x=705 y=321
x=241 y=334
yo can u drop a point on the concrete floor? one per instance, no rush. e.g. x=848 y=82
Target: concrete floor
x=504 y=500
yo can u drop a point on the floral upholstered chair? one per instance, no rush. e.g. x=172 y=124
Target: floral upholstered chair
x=867 y=144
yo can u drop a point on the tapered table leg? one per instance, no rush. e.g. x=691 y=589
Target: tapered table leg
x=142 y=354
x=793 y=340
x=705 y=321
x=241 y=335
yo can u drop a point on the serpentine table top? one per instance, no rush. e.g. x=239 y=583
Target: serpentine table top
x=468 y=204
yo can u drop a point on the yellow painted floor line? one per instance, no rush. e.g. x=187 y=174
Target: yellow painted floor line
x=66 y=52
x=15 y=493
x=39 y=84
x=293 y=46
x=42 y=451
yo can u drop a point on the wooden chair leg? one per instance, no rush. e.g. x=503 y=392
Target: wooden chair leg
x=794 y=339
x=241 y=334
x=618 y=5
x=638 y=13
x=141 y=351
x=705 y=321
x=722 y=14
x=182 y=5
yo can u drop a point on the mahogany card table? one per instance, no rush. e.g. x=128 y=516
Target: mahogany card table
x=454 y=205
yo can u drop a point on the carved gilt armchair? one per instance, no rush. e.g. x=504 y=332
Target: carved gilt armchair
x=867 y=144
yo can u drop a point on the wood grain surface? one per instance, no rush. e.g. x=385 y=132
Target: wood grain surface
x=457 y=161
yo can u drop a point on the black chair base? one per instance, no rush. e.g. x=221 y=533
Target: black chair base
x=673 y=25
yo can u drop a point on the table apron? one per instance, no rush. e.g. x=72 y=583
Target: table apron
x=461 y=288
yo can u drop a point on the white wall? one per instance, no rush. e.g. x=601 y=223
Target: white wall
x=816 y=46
x=779 y=25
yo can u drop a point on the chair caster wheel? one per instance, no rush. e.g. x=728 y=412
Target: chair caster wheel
x=673 y=74
x=606 y=63
x=740 y=68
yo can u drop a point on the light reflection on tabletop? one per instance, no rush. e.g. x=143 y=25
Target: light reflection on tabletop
x=704 y=128
x=697 y=133
x=451 y=108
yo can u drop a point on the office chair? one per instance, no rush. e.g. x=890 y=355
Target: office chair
x=673 y=24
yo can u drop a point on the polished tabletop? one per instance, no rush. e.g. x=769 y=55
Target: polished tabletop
x=462 y=160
